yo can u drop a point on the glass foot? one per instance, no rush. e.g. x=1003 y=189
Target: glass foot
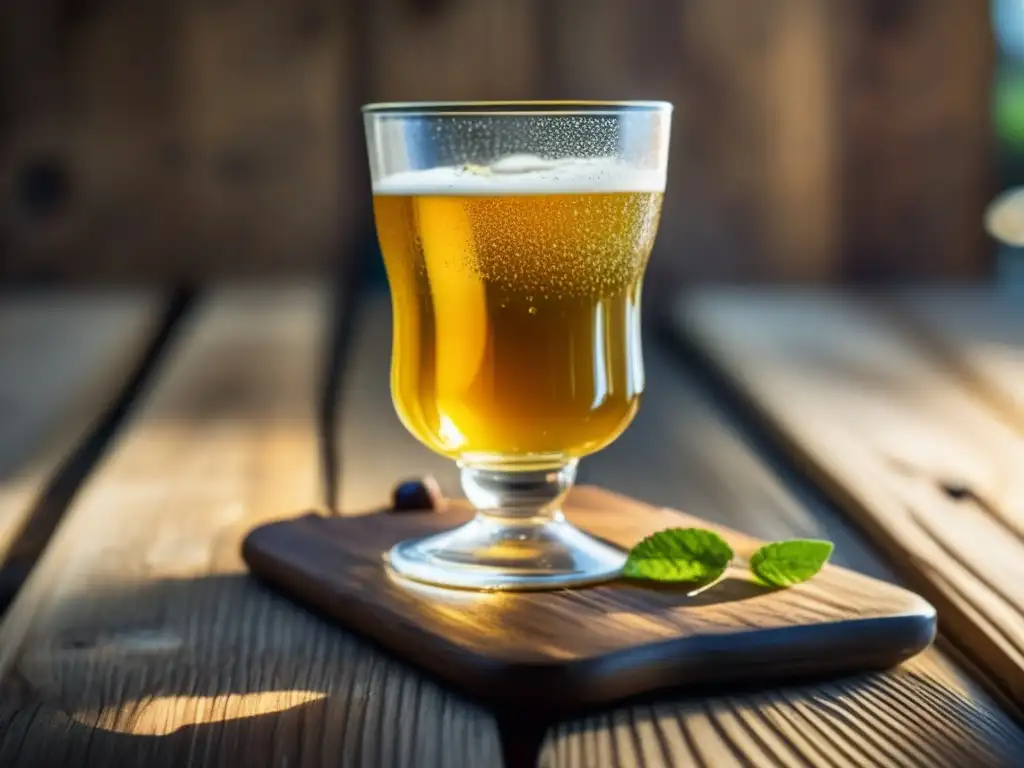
x=519 y=539
x=500 y=554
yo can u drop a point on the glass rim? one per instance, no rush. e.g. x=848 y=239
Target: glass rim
x=518 y=108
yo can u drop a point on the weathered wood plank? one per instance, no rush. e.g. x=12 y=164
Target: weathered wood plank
x=139 y=640
x=915 y=161
x=752 y=182
x=64 y=358
x=813 y=140
x=910 y=453
x=428 y=49
x=681 y=451
x=216 y=138
x=272 y=158
x=980 y=332
x=921 y=714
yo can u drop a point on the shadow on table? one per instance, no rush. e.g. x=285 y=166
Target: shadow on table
x=43 y=735
x=729 y=590
x=220 y=671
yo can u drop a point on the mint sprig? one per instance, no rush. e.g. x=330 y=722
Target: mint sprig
x=697 y=556
x=679 y=555
x=786 y=563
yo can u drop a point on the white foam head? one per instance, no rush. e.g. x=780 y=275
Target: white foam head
x=525 y=175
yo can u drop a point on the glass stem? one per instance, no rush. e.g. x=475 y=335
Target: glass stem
x=515 y=496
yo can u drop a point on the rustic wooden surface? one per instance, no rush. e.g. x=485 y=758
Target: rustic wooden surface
x=186 y=139
x=979 y=332
x=915 y=125
x=139 y=640
x=813 y=139
x=911 y=453
x=477 y=50
x=754 y=144
x=567 y=650
x=64 y=357
x=922 y=714
x=684 y=451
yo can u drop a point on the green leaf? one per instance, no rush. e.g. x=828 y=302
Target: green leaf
x=685 y=555
x=785 y=563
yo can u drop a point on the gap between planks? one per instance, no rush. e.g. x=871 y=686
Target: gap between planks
x=138 y=634
x=72 y=362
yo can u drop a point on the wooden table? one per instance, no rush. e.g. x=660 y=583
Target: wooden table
x=143 y=434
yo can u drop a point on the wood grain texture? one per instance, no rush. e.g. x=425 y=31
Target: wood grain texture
x=64 y=358
x=753 y=140
x=812 y=139
x=682 y=451
x=916 y=158
x=271 y=139
x=921 y=714
x=910 y=453
x=571 y=649
x=450 y=49
x=139 y=640
x=979 y=332
x=166 y=140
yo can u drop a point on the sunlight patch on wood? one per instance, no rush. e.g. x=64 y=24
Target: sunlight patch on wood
x=164 y=715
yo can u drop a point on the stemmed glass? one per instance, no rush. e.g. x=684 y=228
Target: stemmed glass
x=515 y=237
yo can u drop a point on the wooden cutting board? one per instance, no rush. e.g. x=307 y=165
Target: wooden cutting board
x=578 y=648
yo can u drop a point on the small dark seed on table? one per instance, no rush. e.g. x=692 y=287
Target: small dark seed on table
x=957 y=491
x=417 y=495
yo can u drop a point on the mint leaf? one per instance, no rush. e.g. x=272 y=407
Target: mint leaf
x=785 y=563
x=687 y=555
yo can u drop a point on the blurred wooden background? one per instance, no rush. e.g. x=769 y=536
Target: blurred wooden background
x=185 y=139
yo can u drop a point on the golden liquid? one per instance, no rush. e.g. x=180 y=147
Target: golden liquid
x=517 y=319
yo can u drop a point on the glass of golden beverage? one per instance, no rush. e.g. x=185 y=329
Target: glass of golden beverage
x=515 y=237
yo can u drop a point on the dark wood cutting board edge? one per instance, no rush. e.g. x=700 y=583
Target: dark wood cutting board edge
x=499 y=656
